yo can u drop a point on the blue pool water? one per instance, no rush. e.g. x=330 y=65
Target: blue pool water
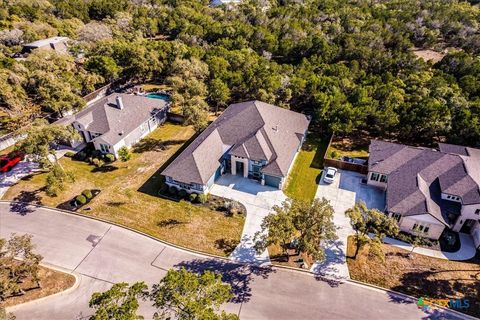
x=161 y=96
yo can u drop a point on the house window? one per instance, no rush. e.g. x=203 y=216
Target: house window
x=105 y=148
x=477 y=212
x=383 y=178
x=396 y=216
x=374 y=176
x=421 y=228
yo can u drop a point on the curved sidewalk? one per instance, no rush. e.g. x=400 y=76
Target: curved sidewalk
x=466 y=252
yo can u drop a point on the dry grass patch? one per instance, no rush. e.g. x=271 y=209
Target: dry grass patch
x=51 y=282
x=129 y=196
x=419 y=276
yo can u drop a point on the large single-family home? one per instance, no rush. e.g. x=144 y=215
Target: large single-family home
x=118 y=120
x=428 y=190
x=59 y=44
x=252 y=139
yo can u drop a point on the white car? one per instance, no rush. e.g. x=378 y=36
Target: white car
x=330 y=173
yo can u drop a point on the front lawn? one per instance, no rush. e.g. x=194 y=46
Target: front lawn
x=307 y=170
x=419 y=276
x=129 y=196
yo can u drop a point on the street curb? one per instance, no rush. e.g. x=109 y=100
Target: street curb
x=169 y=244
x=60 y=293
x=408 y=297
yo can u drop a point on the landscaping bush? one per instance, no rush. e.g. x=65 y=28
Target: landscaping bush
x=202 y=198
x=182 y=193
x=163 y=189
x=69 y=154
x=172 y=190
x=231 y=207
x=334 y=154
x=81 y=199
x=87 y=193
x=80 y=156
x=192 y=197
x=97 y=162
x=110 y=157
x=96 y=153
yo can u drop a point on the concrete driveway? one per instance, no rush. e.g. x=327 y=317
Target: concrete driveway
x=343 y=193
x=258 y=200
x=8 y=179
x=102 y=254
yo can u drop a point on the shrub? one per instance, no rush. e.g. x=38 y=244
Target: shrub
x=87 y=193
x=202 y=198
x=110 y=157
x=334 y=154
x=81 y=199
x=69 y=154
x=96 y=153
x=80 y=156
x=97 y=162
x=182 y=193
x=232 y=207
x=172 y=190
x=163 y=188
x=192 y=197
x=124 y=154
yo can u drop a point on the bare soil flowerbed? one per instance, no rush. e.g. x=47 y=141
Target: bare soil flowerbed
x=419 y=276
x=51 y=282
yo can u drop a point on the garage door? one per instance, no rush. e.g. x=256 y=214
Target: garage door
x=272 y=181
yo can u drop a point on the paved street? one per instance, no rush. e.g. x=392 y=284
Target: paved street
x=343 y=193
x=103 y=254
x=258 y=200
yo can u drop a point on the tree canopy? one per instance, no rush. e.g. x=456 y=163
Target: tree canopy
x=352 y=65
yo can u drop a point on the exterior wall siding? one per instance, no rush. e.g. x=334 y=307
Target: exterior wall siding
x=435 y=228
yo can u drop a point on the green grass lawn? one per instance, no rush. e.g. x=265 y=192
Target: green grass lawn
x=306 y=172
x=129 y=195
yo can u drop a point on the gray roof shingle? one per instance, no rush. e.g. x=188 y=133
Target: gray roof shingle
x=252 y=129
x=114 y=124
x=418 y=176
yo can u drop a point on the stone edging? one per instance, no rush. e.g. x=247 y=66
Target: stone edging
x=66 y=291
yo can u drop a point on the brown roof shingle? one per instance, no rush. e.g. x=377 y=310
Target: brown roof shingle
x=252 y=129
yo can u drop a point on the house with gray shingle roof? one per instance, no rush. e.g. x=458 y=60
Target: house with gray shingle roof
x=118 y=120
x=252 y=139
x=428 y=190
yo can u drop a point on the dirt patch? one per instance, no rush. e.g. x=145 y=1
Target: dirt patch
x=419 y=276
x=51 y=282
x=429 y=55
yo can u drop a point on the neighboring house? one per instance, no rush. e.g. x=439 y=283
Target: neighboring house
x=427 y=189
x=59 y=44
x=216 y=3
x=252 y=139
x=118 y=120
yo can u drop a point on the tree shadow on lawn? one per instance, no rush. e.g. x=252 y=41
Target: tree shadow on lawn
x=422 y=284
x=107 y=168
x=239 y=276
x=170 y=223
x=151 y=144
x=226 y=245
x=22 y=202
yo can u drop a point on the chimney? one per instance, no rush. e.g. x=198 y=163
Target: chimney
x=119 y=102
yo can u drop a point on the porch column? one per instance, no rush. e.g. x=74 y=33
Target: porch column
x=234 y=166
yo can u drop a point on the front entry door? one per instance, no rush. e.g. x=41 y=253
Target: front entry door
x=239 y=168
x=467 y=226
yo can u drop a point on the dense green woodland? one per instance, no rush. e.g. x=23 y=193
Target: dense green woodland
x=348 y=63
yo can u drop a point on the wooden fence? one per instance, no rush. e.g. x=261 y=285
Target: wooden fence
x=340 y=164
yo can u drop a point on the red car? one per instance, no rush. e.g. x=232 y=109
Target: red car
x=8 y=162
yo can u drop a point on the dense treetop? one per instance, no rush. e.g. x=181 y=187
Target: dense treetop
x=349 y=63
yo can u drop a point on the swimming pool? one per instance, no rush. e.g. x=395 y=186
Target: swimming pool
x=156 y=95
